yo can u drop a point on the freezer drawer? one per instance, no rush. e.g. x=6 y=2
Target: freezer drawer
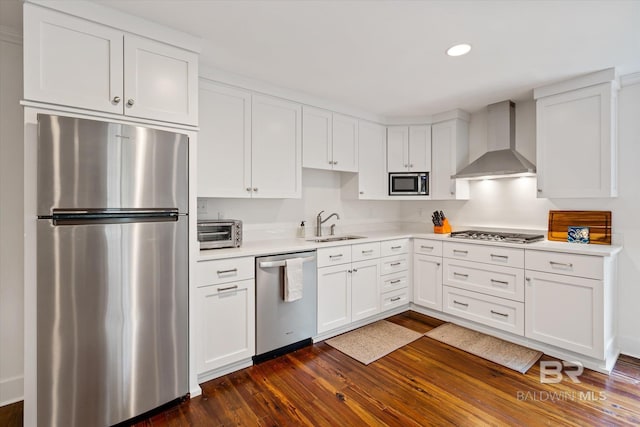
x=112 y=320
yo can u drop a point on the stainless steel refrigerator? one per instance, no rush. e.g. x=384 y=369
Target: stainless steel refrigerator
x=112 y=280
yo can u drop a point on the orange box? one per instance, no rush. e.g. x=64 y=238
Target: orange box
x=445 y=228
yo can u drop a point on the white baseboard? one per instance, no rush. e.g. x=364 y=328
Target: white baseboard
x=11 y=390
x=629 y=346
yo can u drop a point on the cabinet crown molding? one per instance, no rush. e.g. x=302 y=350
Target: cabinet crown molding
x=608 y=75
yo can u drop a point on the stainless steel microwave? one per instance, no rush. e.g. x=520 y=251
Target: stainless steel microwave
x=221 y=233
x=409 y=183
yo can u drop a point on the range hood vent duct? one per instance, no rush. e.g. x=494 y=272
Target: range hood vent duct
x=501 y=159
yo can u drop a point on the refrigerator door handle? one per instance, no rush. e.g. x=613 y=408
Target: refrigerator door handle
x=111 y=216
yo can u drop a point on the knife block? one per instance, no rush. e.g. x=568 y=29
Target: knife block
x=445 y=228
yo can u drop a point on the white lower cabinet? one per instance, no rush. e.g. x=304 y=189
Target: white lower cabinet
x=334 y=296
x=227 y=324
x=225 y=307
x=365 y=289
x=427 y=281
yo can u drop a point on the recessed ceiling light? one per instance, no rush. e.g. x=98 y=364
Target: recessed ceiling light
x=459 y=49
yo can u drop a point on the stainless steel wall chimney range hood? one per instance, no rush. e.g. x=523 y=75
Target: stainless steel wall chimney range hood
x=501 y=160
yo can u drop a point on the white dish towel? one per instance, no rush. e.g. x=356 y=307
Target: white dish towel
x=293 y=279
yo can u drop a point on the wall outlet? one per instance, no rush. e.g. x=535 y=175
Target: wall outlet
x=202 y=206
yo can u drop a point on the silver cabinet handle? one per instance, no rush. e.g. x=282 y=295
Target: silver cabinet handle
x=233 y=270
x=500 y=282
x=539 y=190
x=561 y=264
x=370 y=251
x=228 y=288
x=349 y=271
x=438 y=264
x=393 y=264
x=410 y=165
x=426 y=247
x=499 y=256
x=355 y=270
x=396 y=247
x=499 y=314
x=460 y=251
x=395 y=299
x=130 y=102
x=455 y=273
x=335 y=162
x=335 y=256
x=248 y=189
x=460 y=303
x=406 y=165
x=393 y=282
x=362 y=192
x=255 y=189
x=116 y=100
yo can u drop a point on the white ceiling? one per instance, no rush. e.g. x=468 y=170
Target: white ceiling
x=387 y=57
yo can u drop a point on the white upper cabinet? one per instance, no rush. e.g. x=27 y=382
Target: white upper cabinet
x=224 y=142
x=330 y=140
x=409 y=148
x=450 y=152
x=76 y=63
x=371 y=181
x=576 y=138
x=276 y=148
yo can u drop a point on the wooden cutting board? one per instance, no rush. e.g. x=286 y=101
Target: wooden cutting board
x=599 y=223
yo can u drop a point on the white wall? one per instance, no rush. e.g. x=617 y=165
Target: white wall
x=512 y=202
x=11 y=214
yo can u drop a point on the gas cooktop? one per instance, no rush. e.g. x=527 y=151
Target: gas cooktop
x=496 y=236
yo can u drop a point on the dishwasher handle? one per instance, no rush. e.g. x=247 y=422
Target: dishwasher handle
x=281 y=263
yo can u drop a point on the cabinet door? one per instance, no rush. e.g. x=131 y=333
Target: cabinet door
x=372 y=164
x=427 y=281
x=565 y=311
x=576 y=147
x=161 y=81
x=70 y=61
x=276 y=148
x=226 y=324
x=420 y=148
x=365 y=289
x=449 y=153
x=334 y=297
x=224 y=142
x=317 y=137
x=397 y=149
x=345 y=143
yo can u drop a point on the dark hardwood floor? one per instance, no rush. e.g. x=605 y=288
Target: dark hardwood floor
x=423 y=383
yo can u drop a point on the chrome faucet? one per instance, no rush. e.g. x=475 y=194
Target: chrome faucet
x=320 y=221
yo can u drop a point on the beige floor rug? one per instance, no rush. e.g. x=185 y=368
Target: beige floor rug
x=512 y=356
x=371 y=342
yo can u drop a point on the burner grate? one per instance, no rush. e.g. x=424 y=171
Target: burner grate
x=497 y=236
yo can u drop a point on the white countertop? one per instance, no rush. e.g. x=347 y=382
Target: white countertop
x=278 y=246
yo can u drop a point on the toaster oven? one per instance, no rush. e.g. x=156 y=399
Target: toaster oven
x=220 y=233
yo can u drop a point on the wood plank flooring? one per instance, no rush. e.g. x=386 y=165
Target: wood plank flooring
x=424 y=383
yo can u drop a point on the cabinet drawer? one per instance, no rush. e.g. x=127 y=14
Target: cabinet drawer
x=365 y=251
x=224 y=270
x=504 y=282
x=427 y=247
x=334 y=256
x=394 y=247
x=394 y=281
x=394 y=264
x=498 y=255
x=569 y=264
x=491 y=311
x=394 y=299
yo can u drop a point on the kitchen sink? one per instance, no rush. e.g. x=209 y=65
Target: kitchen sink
x=334 y=238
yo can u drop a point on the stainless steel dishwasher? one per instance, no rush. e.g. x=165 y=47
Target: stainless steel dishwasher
x=282 y=327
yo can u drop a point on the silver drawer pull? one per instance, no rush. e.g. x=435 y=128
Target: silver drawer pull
x=499 y=314
x=233 y=270
x=335 y=256
x=228 y=288
x=460 y=303
x=561 y=264
x=455 y=273
x=500 y=282
x=426 y=247
x=393 y=282
x=370 y=251
x=396 y=247
x=460 y=251
x=499 y=256
x=393 y=264
x=395 y=299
